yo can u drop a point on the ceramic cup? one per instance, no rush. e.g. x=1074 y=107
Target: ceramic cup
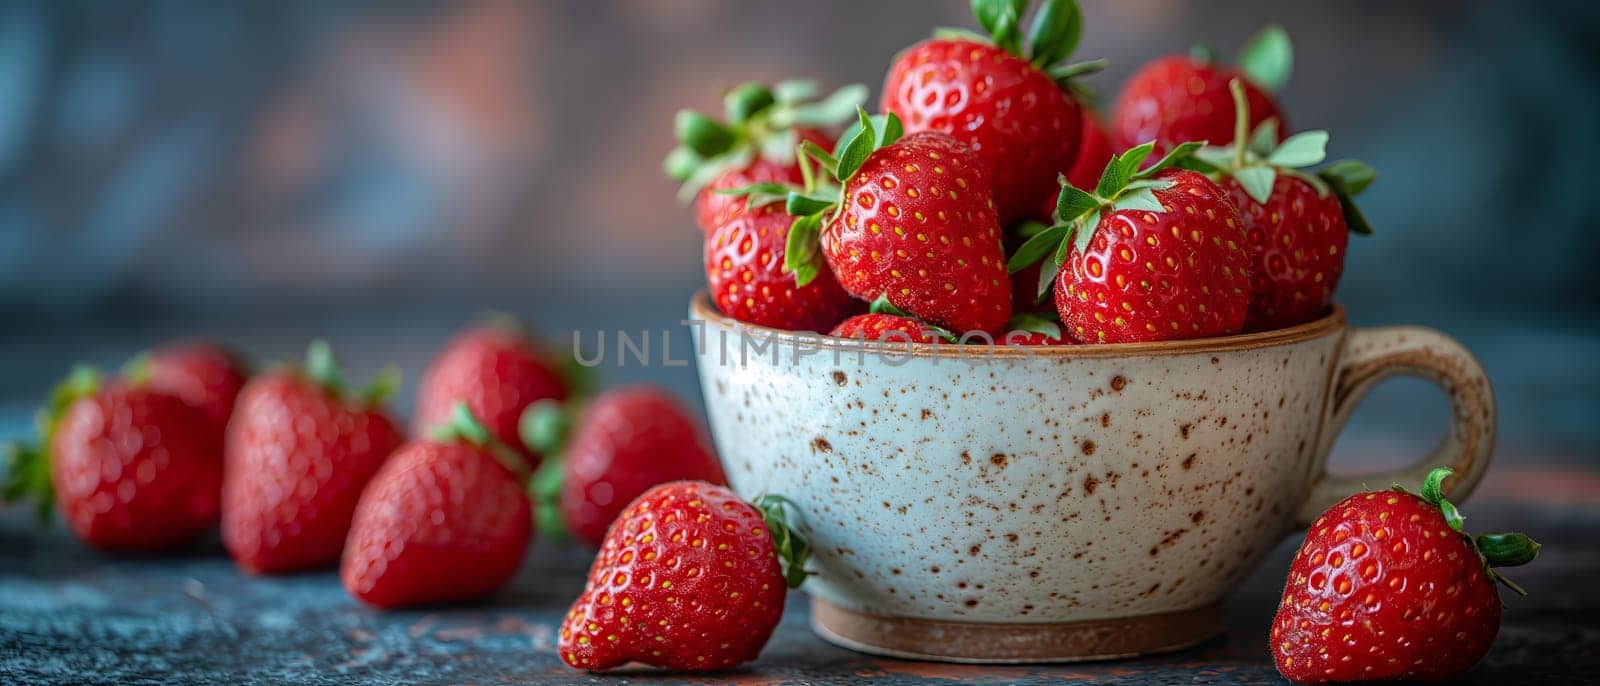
x=1000 y=504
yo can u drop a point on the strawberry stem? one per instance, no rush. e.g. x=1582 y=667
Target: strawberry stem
x=1241 y=121
x=1493 y=549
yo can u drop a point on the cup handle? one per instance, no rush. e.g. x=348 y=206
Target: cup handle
x=1372 y=355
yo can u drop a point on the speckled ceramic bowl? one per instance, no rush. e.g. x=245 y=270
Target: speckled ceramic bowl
x=1063 y=503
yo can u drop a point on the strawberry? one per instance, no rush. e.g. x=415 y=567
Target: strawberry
x=756 y=144
x=875 y=326
x=913 y=221
x=1154 y=255
x=498 y=372
x=623 y=442
x=202 y=374
x=1034 y=329
x=299 y=450
x=748 y=281
x=1388 y=586
x=444 y=519
x=133 y=469
x=1009 y=105
x=688 y=578
x=1297 y=225
x=1180 y=98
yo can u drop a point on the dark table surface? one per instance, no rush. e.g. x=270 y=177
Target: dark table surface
x=70 y=615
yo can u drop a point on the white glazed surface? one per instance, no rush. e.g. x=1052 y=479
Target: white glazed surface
x=1047 y=488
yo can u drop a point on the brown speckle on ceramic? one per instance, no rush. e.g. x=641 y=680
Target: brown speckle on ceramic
x=1061 y=485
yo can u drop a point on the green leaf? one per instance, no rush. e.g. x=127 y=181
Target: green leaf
x=702 y=134
x=800 y=204
x=1062 y=74
x=1057 y=27
x=1265 y=138
x=857 y=150
x=1029 y=229
x=1349 y=176
x=794 y=91
x=1507 y=549
x=465 y=426
x=1216 y=156
x=1452 y=516
x=680 y=163
x=381 y=387
x=830 y=111
x=988 y=13
x=827 y=161
x=1171 y=159
x=1083 y=236
x=1433 y=484
x=763 y=188
x=711 y=168
x=890 y=130
x=801 y=254
x=1035 y=323
x=544 y=426
x=1141 y=200
x=1073 y=203
x=1112 y=179
x=746 y=100
x=1007 y=33
x=1268 y=58
x=545 y=487
x=881 y=305
x=1035 y=248
x=1047 y=280
x=324 y=369
x=1128 y=164
x=949 y=33
x=1257 y=182
x=1300 y=150
x=784 y=519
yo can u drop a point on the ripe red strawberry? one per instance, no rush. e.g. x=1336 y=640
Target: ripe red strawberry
x=748 y=281
x=1034 y=329
x=1155 y=255
x=756 y=144
x=875 y=326
x=913 y=222
x=623 y=442
x=498 y=372
x=1009 y=106
x=202 y=374
x=132 y=468
x=1181 y=98
x=688 y=578
x=1297 y=225
x=299 y=450
x=1388 y=586
x=445 y=519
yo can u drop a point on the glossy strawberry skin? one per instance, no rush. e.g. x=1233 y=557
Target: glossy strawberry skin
x=1029 y=338
x=918 y=225
x=687 y=579
x=1175 y=100
x=440 y=522
x=297 y=459
x=627 y=441
x=744 y=270
x=713 y=209
x=498 y=373
x=136 y=470
x=1019 y=123
x=1383 y=589
x=1152 y=276
x=203 y=375
x=1297 y=242
x=884 y=327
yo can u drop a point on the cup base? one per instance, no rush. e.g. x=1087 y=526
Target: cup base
x=991 y=643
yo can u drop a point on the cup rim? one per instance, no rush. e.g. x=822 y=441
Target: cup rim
x=700 y=307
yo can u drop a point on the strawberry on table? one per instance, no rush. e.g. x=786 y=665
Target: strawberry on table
x=1149 y=255
x=690 y=578
x=1009 y=104
x=445 y=519
x=1388 y=586
x=204 y=375
x=755 y=145
x=912 y=221
x=132 y=469
x=498 y=372
x=745 y=271
x=300 y=448
x=1297 y=224
x=1183 y=98
x=623 y=442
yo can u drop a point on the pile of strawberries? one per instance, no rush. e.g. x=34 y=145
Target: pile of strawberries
x=988 y=202
x=304 y=472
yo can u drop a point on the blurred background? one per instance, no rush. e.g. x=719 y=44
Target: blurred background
x=381 y=174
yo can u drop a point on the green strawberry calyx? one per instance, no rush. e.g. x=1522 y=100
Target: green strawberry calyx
x=1123 y=186
x=1267 y=59
x=1493 y=549
x=1035 y=322
x=784 y=518
x=1056 y=29
x=760 y=123
x=1256 y=158
x=323 y=369
x=27 y=464
x=544 y=428
x=464 y=427
x=883 y=306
